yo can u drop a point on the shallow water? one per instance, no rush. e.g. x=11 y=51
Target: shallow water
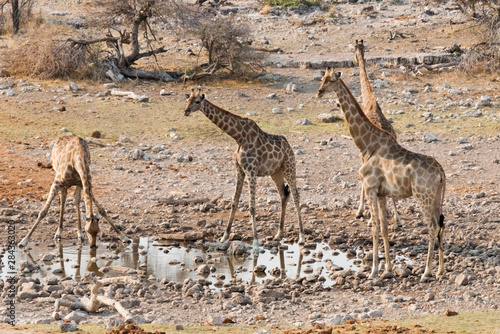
x=153 y=258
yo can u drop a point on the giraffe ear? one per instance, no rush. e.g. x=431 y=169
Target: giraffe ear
x=187 y=96
x=361 y=41
x=202 y=97
x=338 y=75
x=356 y=42
x=322 y=73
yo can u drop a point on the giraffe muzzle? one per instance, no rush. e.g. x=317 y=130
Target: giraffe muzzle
x=186 y=112
x=320 y=93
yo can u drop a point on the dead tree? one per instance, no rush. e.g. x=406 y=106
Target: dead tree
x=124 y=21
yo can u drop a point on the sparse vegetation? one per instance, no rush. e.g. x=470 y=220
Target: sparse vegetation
x=292 y=3
x=226 y=42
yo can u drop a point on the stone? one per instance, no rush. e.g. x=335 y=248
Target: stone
x=136 y=154
x=429 y=137
x=375 y=314
x=260 y=268
x=262 y=331
x=95 y=134
x=461 y=280
x=203 y=270
x=67 y=326
x=338 y=319
x=215 y=320
x=328 y=118
x=272 y=96
x=179 y=327
x=47 y=257
x=76 y=316
x=277 y=111
x=51 y=280
x=304 y=121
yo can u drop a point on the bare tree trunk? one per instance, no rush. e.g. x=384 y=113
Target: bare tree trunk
x=16 y=15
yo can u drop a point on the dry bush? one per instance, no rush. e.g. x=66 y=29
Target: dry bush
x=45 y=54
x=292 y=3
x=226 y=42
x=265 y=10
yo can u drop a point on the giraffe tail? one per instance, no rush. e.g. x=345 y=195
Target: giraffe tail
x=441 y=216
x=286 y=189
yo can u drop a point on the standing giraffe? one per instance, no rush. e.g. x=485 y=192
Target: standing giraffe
x=373 y=112
x=391 y=171
x=258 y=154
x=71 y=161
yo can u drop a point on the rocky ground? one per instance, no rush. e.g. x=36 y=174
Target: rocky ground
x=150 y=154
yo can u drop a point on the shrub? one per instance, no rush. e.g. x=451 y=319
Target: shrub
x=45 y=54
x=226 y=43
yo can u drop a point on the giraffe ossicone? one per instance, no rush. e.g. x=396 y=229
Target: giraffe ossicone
x=70 y=160
x=392 y=171
x=258 y=154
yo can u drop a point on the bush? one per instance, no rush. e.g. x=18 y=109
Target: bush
x=226 y=42
x=45 y=54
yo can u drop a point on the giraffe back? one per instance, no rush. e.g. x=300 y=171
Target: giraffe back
x=71 y=154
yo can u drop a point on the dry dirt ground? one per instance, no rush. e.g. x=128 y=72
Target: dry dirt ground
x=149 y=152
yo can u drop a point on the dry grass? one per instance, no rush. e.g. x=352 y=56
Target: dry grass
x=265 y=10
x=45 y=54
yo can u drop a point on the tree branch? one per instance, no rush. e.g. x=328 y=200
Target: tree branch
x=138 y=56
x=93 y=41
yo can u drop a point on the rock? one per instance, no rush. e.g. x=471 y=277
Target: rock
x=304 y=121
x=328 y=118
x=22 y=295
x=203 y=270
x=291 y=87
x=318 y=76
x=95 y=134
x=429 y=297
x=260 y=268
x=338 y=319
x=429 y=137
x=485 y=101
x=239 y=248
x=262 y=331
x=241 y=299
x=197 y=259
x=51 y=280
x=277 y=111
x=375 y=313
x=67 y=326
x=272 y=96
x=76 y=316
x=461 y=280
x=215 y=320
x=179 y=327
x=136 y=154
x=47 y=257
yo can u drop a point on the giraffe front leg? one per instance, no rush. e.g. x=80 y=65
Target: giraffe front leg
x=77 y=198
x=382 y=203
x=103 y=213
x=371 y=196
x=290 y=177
x=53 y=192
x=253 y=183
x=361 y=209
x=63 y=195
x=284 y=192
x=240 y=177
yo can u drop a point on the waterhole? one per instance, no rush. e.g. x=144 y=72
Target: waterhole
x=151 y=258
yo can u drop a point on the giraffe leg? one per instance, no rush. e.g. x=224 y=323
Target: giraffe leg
x=290 y=179
x=63 y=194
x=240 y=177
x=252 y=180
x=361 y=208
x=76 y=199
x=371 y=197
x=284 y=193
x=433 y=233
x=440 y=272
x=397 y=220
x=103 y=213
x=56 y=187
x=382 y=203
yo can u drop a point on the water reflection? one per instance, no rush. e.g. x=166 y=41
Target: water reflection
x=176 y=263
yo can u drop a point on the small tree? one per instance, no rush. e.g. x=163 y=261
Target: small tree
x=227 y=44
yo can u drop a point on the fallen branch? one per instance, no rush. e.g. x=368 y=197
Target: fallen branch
x=130 y=95
x=395 y=34
x=141 y=74
x=433 y=67
x=93 y=303
x=268 y=50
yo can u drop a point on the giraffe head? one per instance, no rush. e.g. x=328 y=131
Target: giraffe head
x=195 y=100
x=330 y=80
x=359 y=51
x=92 y=228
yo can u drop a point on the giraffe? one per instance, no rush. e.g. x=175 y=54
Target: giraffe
x=258 y=154
x=390 y=170
x=71 y=161
x=373 y=112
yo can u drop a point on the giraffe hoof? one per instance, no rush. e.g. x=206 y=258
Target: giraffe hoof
x=359 y=215
x=23 y=243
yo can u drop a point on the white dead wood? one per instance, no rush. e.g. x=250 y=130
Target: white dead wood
x=95 y=301
x=130 y=95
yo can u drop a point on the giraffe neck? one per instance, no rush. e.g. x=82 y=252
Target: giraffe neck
x=366 y=136
x=231 y=124
x=366 y=90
